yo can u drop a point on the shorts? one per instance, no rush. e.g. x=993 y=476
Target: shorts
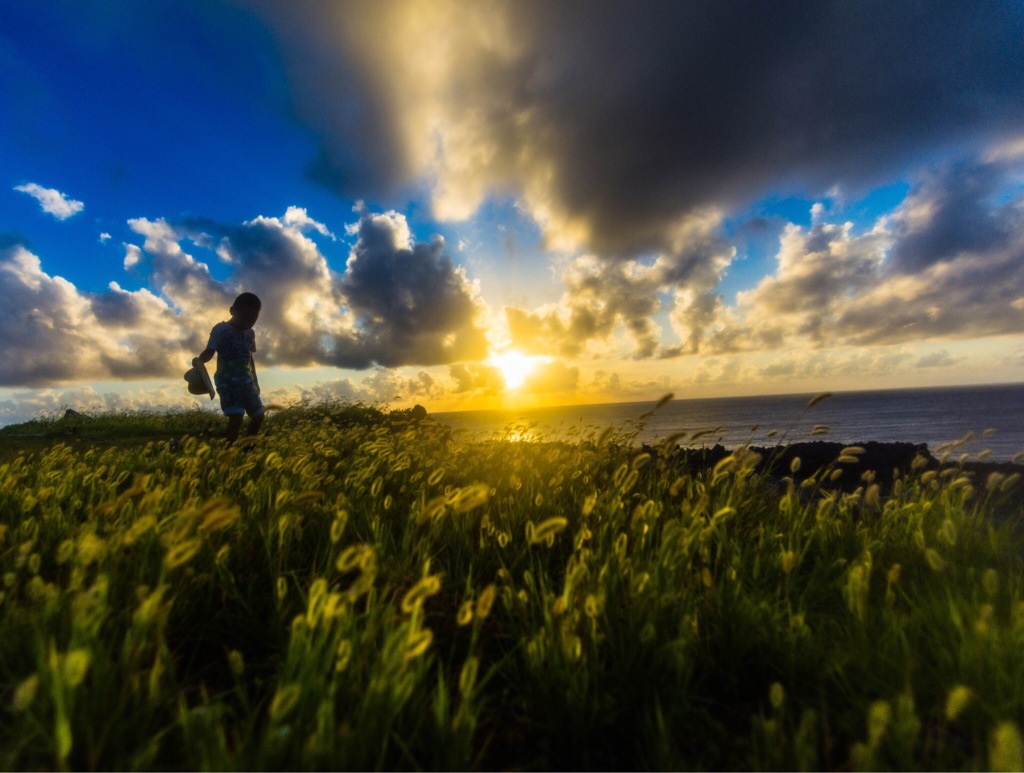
x=239 y=398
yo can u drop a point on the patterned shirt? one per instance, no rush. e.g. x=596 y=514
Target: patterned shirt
x=234 y=353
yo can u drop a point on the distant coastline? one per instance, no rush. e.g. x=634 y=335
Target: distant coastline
x=991 y=414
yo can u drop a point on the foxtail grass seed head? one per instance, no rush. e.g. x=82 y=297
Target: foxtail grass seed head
x=818 y=398
x=879 y=717
x=343 y=655
x=219 y=515
x=934 y=560
x=957 y=701
x=136 y=531
x=788 y=561
x=549 y=527
x=470 y=497
x=420 y=592
x=418 y=643
x=182 y=553
x=1006 y=747
x=663 y=400
x=285 y=700
x=777 y=696
x=92 y=549
x=66 y=550
x=873 y=495
x=351 y=558
x=338 y=525
x=467 y=676
x=25 y=693
x=465 y=614
x=75 y=666
x=485 y=600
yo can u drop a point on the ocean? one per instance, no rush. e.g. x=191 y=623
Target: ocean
x=935 y=416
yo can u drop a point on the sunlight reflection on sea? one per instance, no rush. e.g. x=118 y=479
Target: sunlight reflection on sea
x=933 y=416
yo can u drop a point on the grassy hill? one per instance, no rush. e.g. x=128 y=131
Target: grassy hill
x=367 y=589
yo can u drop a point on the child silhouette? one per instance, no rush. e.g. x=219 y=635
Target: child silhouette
x=234 y=343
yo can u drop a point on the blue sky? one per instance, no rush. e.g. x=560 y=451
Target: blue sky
x=702 y=197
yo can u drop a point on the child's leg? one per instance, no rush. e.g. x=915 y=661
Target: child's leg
x=234 y=425
x=253 y=407
x=254 y=424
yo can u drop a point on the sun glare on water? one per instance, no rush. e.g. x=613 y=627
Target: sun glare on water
x=515 y=367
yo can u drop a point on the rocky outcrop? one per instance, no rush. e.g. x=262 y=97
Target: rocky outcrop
x=886 y=461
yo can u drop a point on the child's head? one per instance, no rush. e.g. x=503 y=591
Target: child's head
x=246 y=310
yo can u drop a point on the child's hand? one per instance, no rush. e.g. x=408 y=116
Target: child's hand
x=195 y=361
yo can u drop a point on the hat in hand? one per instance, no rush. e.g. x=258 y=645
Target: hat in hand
x=199 y=381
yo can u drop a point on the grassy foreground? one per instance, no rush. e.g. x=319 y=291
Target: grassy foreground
x=361 y=590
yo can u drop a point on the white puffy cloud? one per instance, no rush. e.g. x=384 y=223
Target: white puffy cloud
x=604 y=295
x=395 y=303
x=52 y=201
x=55 y=333
x=946 y=264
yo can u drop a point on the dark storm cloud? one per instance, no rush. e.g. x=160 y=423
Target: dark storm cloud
x=413 y=305
x=613 y=120
x=359 y=153
x=955 y=211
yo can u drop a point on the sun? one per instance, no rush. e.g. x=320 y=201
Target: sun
x=515 y=367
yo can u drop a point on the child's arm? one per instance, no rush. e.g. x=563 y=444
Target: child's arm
x=205 y=357
x=255 y=380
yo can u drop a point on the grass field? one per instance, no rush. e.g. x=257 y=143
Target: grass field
x=360 y=590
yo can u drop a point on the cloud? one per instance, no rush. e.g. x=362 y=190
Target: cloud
x=944 y=265
x=52 y=201
x=476 y=378
x=955 y=210
x=413 y=305
x=297 y=217
x=941 y=359
x=619 y=129
x=554 y=376
x=396 y=303
x=21 y=406
x=55 y=333
x=611 y=124
x=604 y=295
